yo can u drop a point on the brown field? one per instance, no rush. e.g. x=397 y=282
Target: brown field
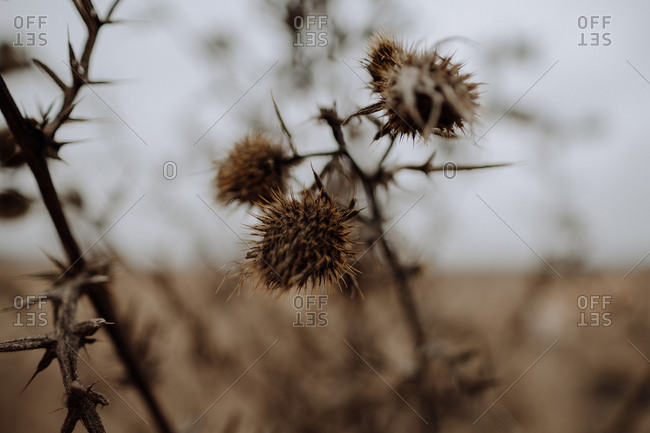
x=265 y=375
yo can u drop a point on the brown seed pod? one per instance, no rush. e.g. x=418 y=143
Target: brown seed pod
x=303 y=241
x=419 y=93
x=255 y=168
x=427 y=94
x=13 y=204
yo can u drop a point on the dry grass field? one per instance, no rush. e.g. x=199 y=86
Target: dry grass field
x=504 y=342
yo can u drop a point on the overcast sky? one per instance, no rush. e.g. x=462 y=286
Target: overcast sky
x=579 y=185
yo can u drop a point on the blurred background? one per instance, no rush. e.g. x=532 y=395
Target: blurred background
x=190 y=79
x=506 y=252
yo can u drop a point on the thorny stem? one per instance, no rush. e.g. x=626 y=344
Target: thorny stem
x=101 y=299
x=31 y=143
x=298 y=158
x=79 y=68
x=64 y=344
x=34 y=144
x=81 y=402
x=387 y=152
x=429 y=168
x=399 y=273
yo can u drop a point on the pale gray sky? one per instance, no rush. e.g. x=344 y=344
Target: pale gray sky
x=584 y=156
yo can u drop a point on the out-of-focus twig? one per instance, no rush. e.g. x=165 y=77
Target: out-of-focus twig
x=63 y=344
x=36 y=142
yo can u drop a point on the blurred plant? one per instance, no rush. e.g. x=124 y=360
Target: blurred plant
x=10 y=155
x=420 y=93
x=11 y=59
x=306 y=241
x=254 y=169
x=13 y=204
x=33 y=142
x=303 y=242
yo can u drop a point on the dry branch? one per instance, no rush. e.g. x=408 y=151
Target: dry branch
x=37 y=142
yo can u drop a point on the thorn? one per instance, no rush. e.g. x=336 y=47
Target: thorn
x=48 y=111
x=52 y=153
x=433 y=155
x=122 y=21
x=59 y=82
x=357 y=288
x=71 y=55
x=284 y=126
x=45 y=362
x=317 y=179
x=101 y=379
x=222 y=281
x=109 y=14
x=58 y=264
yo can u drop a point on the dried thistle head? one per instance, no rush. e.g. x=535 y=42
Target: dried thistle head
x=426 y=94
x=419 y=92
x=383 y=54
x=13 y=204
x=303 y=241
x=253 y=171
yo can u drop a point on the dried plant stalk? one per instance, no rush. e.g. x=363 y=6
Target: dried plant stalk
x=36 y=142
x=302 y=241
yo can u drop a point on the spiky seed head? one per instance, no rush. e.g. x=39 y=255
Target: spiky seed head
x=426 y=94
x=302 y=242
x=254 y=169
x=13 y=204
x=419 y=92
x=383 y=54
